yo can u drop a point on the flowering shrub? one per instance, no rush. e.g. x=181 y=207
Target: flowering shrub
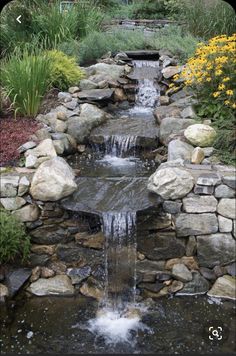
x=211 y=74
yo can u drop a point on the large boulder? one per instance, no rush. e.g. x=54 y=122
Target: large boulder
x=179 y=149
x=53 y=180
x=44 y=151
x=171 y=183
x=95 y=94
x=91 y=116
x=215 y=249
x=200 y=135
x=172 y=125
x=58 y=285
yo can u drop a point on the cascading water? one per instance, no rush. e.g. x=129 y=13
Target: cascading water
x=118 y=146
x=118 y=314
x=148 y=92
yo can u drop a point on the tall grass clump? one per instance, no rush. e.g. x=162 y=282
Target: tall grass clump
x=89 y=16
x=13 y=240
x=203 y=18
x=25 y=77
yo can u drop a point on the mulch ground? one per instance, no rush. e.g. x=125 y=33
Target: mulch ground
x=14 y=133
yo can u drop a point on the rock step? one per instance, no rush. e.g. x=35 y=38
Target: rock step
x=98 y=195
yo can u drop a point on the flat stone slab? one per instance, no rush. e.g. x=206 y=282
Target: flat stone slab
x=143 y=54
x=144 y=128
x=98 y=195
x=95 y=94
x=16 y=279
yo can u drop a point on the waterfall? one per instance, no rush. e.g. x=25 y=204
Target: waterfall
x=120 y=256
x=148 y=91
x=118 y=146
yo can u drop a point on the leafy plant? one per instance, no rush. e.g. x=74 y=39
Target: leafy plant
x=89 y=17
x=210 y=73
x=150 y=9
x=13 y=240
x=64 y=70
x=25 y=77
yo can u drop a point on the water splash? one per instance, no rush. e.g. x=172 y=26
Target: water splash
x=148 y=92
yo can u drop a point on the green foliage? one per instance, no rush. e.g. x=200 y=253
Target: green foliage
x=13 y=240
x=203 y=18
x=25 y=77
x=71 y=48
x=64 y=70
x=97 y=44
x=150 y=9
x=89 y=17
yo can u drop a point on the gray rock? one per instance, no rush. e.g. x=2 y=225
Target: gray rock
x=73 y=90
x=147 y=267
x=191 y=246
x=171 y=125
x=16 y=279
x=162 y=112
x=215 y=249
x=49 y=234
x=181 y=272
x=170 y=71
x=112 y=70
x=42 y=134
x=44 y=150
x=77 y=275
x=188 y=112
x=38 y=260
x=71 y=105
x=227 y=208
x=92 y=288
x=234 y=229
x=195 y=224
x=96 y=94
x=197 y=155
x=208 y=273
x=12 y=203
x=86 y=84
x=171 y=183
x=27 y=213
x=223 y=191
x=31 y=161
x=209 y=179
x=225 y=225
x=198 y=285
x=24 y=184
x=203 y=189
x=152 y=287
x=58 y=285
x=224 y=287
x=162 y=245
x=199 y=204
x=9 y=185
x=64 y=96
x=200 y=135
x=208 y=151
x=90 y=117
x=172 y=207
x=71 y=252
x=53 y=180
x=26 y=146
x=179 y=149
x=230 y=181
x=231 y=269
x=59 y=146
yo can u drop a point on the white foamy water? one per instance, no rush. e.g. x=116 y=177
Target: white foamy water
x=115 y=327
x=117 y=161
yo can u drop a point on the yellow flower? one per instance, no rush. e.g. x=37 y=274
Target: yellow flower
x=221 y=87
x=216 y=94
x=229 y=92
x=218 y=72
x=226 y=79
x=208 y=79
x=234 y=106
x=227 y=102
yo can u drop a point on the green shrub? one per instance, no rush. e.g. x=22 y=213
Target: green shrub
x=64 y=70
x=25 y=77
x=71 y=48
x=13 y=240
x=150 y=9
x=89 y=17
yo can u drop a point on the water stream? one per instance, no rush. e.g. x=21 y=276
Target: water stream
x=118 y=314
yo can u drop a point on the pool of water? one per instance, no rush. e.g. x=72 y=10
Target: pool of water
x=63 y=326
